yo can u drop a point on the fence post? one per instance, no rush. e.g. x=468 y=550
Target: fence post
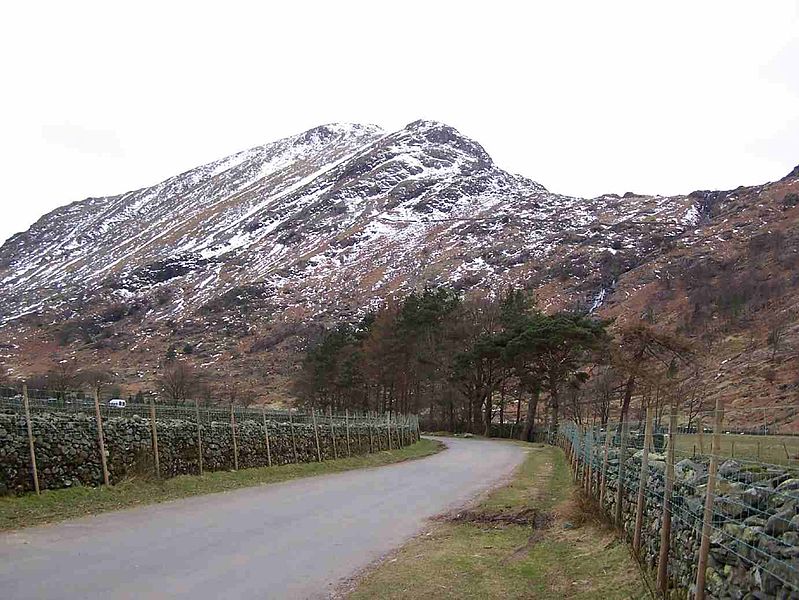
x=589 y=451
x=293 y=439
x=399 y=430
x=620 y=482
x=592 y=467
x=585 y=454
x=603 y=483
x=358 y=432
x=371 y=437
x=668 y=491
x=100 y=438
x=398 y=433
x=316 y=434
x=266 y=435
x=704 y=547
x=642 y=483
x=589 y=456
x=332 y=431
x=30 y=438
x=199 y=435
x=701 y=431
x=235 y=441
x=388 y=429
x=347 y=426
x=154 y=439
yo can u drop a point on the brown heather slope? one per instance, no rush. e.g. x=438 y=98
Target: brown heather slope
x=730 y=284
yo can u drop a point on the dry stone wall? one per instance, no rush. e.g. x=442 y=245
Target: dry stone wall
x=67 y=447
x=754 y=546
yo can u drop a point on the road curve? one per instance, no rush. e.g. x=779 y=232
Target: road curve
x=297 y=539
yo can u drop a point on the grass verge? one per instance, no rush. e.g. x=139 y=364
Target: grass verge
x=58 y=505
x=524 y=540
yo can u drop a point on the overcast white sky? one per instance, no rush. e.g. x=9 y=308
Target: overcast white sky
x=585 y=97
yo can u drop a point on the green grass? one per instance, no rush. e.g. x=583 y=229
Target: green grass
x=761 y=448
x=58 y=505
x=479 y=560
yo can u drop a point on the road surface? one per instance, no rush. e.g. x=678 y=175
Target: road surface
x=297 y=539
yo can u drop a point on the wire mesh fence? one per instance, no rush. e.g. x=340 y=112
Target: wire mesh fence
x=712 y=506
x=72 y=440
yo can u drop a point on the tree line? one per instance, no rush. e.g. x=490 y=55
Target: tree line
x=461 y=362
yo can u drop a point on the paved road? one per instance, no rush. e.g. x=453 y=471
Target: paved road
x=297 y=539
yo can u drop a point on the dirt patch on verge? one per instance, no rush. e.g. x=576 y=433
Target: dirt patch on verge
x=529 y=516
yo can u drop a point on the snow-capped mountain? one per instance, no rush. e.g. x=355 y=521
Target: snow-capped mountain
x=340 y=213
x=237 y=256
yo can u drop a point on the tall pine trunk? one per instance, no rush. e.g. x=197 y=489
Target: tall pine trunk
x=489 y=413
x=554 y=403
x=532 y=408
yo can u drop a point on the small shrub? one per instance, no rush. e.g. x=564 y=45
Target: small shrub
x=790 y=200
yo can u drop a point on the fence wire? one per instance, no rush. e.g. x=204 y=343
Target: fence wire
x=63 y=443
x=753 y=525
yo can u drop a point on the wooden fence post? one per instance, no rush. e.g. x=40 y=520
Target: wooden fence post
x=388 y=429
x=316 y=434
x=603 y=483
x=199 y=435
x=371 y=437
x=707 y=519
x=358 y=433
x=332 y=432
x=642 y=483
x=293 y=439
x=398 y=434
x=668 y=491
x=589 y=451
x=235 y=441
x=701 y=431
x=620 y=482
x=31 y=446
x=400 y=431
x=589 y=459
x=266 y=435
x=154 y=439
x=100 y=437
x=591 y=464
x=347 y=426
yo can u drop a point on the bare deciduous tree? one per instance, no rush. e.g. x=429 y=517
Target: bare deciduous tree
x=63 y=377
x=644 y=352
x=95 y=379
x=179 y=381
